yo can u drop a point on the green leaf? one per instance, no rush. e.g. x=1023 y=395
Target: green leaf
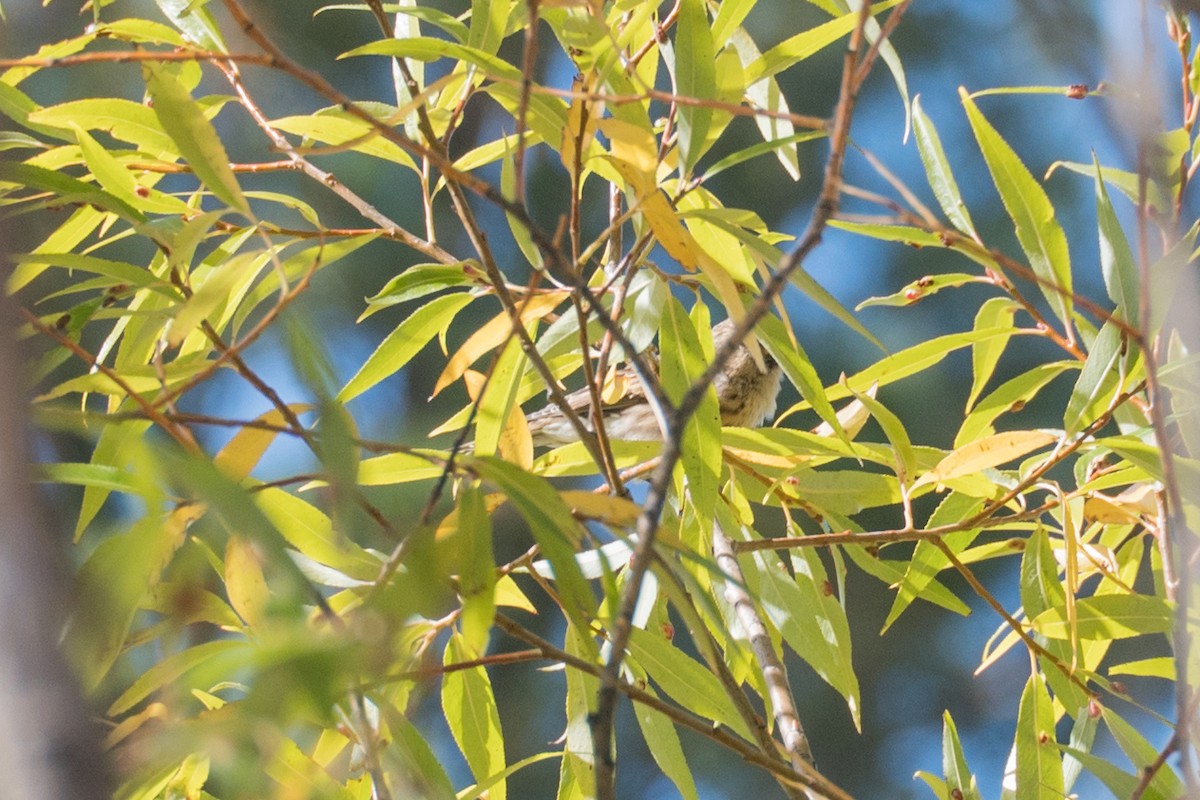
x=1039 y=766
x=195 y=22
x=1139 y=751
x=937 y=170
x=499 y=397
x=489 y=21
x=553 y=527
x=1119 y=783
x=663 y=741
x=477 y=569
x=918 y=290
x=893 y=428
x=682 y=362
x=1011 y=396
x=399 y=347
x=312 y=533
x=68 y=189
x=695 y=77
x=811 y=620
x=104 y=476
x=417 y=757
x=799 y=47
x=1116 y=258
x=174 y=667
x=685 y=681
x=798 y=368
x=954 y=763
x=1038 y=229
x=1097 y=381
x=423 y=48
x=124 y=120
x=912 y=360
x=111 y=585
x=1114 y=616
x=471 y=713
x=195 y=136
x=996 y=312
x=336 y=127
x=928 y=559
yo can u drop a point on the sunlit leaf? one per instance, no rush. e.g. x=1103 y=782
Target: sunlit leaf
x=198 y=142
x=1038 y=229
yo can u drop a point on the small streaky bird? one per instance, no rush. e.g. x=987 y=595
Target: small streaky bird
x=746 y=395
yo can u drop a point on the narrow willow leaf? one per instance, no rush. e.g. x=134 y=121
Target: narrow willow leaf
x=893 y=428
x=1083 y=734
x=426 y=49
x=1156 y=667
x=1041 y=236
x=242 y=453
x=175 y=666
x=1097 y=380
x=778 y=132
x=1039 y=767
x=990 y=451
x=695 y=77
x=922 y=287
x=68 y=189
x=799 y=370
x=1011 y=396
x=996 y=312
x=195 y=22
x=476 y=566
x=954 y=763
x=1120 y=783
x=1116 y=258
x=811 y=621
x=495 y=425
x=889 y=573
x=311 y=532
x=663 y=741
x=471 y=713
x=552 y=526
x=937 y=170
x=245 y=583
x=1124 y=181
x=1143 y=754
x=111 y=585
x=399 y=347
x=335 y=127
x=685 y=681
x=418 y=281
x=577 y=778
x=795 y=49
x=682 y=362
x=113 y=177
x=193 y=134
x=489 y=21
x=124 y=120
x=1116 y=616
x=494 y=333
x=420 y=762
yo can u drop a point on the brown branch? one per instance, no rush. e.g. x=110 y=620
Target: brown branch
x=648 y=521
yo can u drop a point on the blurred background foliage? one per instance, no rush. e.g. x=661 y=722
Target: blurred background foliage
x=924 y=663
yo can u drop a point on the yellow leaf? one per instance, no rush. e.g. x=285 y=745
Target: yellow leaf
x=493 y=334
x=615 y=511
x=509 y=594
x=244 y=581
x=616 y=384
x=990 y=451
x=131 y=724
x=516 y=442
x=247 y=446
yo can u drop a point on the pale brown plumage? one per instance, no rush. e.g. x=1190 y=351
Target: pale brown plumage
x=745 y=393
